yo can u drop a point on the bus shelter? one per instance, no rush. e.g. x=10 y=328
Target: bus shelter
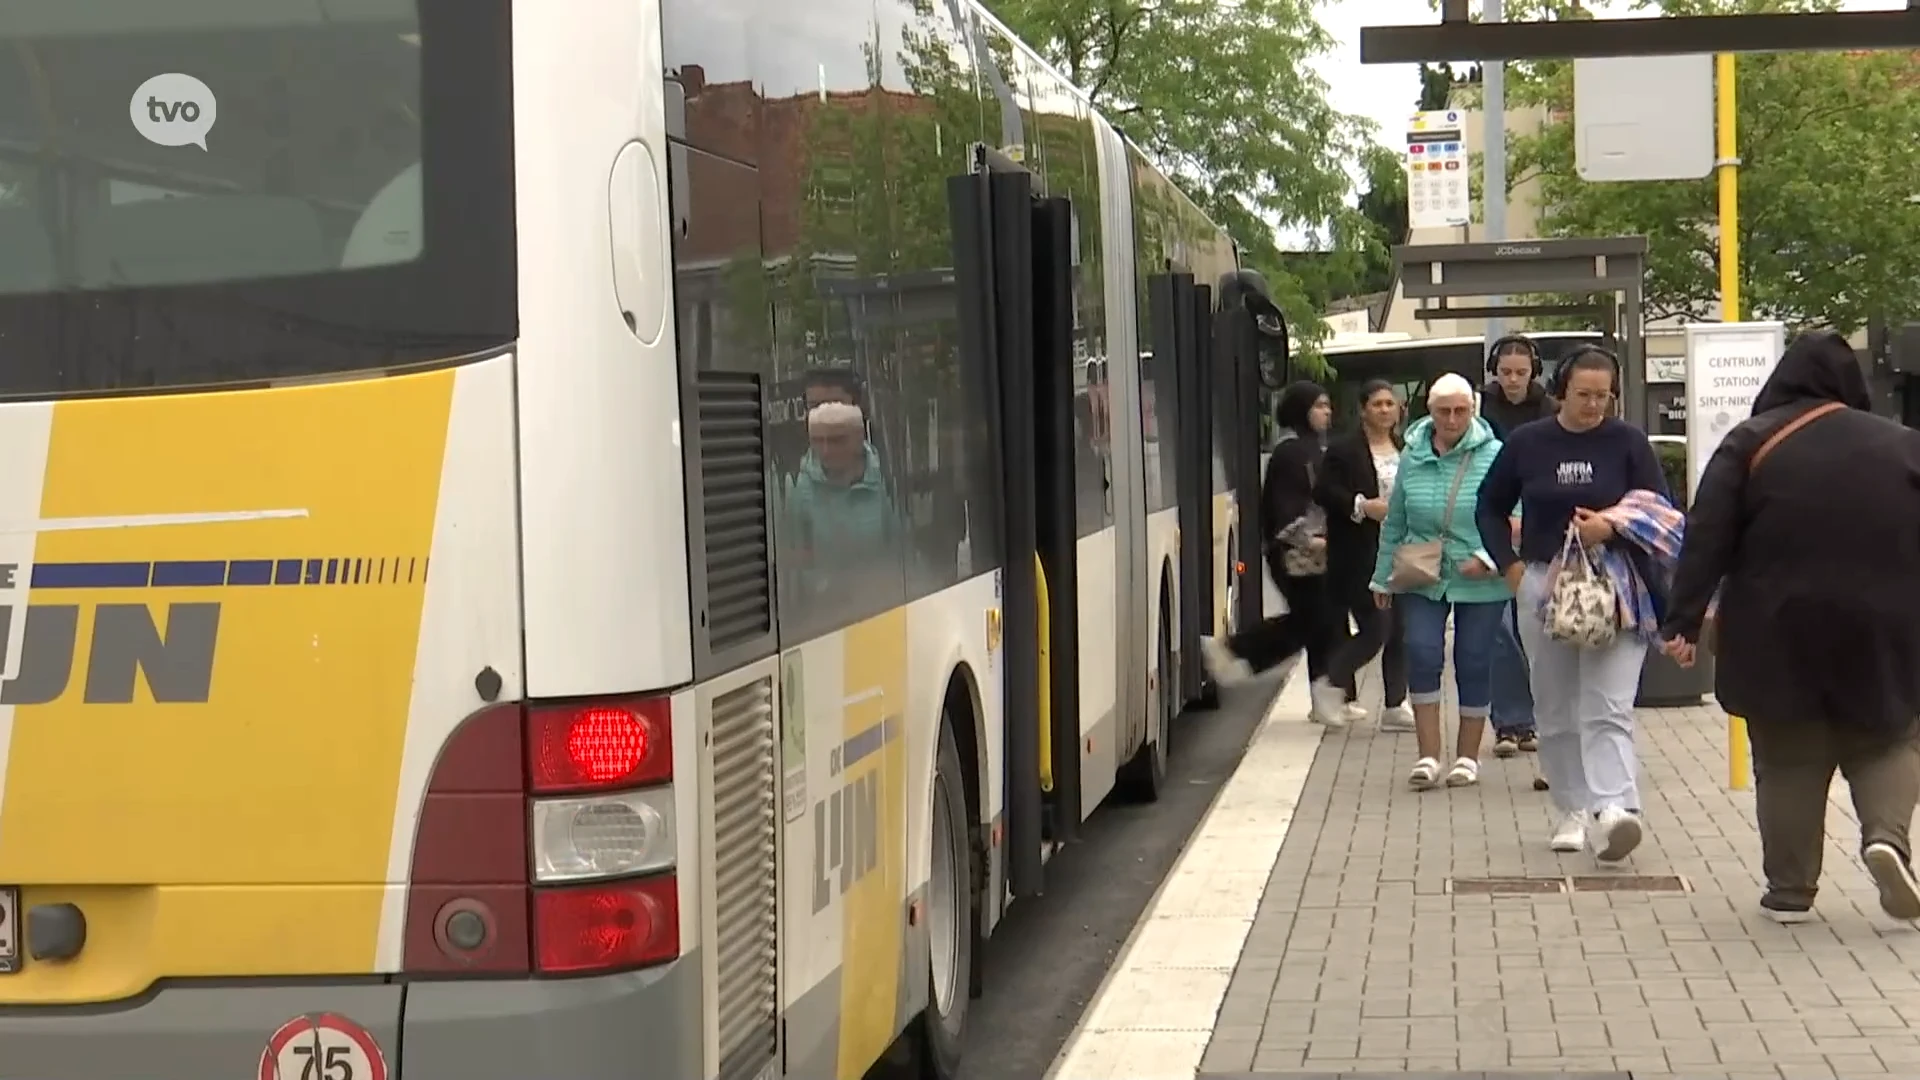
x=1609 y=271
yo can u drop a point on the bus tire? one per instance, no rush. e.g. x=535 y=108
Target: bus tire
x=952 y=918
x=1145 y=774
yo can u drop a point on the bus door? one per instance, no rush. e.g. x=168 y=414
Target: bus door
x=1179 y=310
x=1013 y=275
x=1238 y=343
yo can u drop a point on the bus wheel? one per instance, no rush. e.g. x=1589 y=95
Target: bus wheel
x=951 y=918
x=1144 y=774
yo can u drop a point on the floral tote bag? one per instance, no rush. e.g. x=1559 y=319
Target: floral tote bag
x=1582 y=607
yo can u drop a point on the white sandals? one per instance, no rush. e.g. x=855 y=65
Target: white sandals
x=1465 y=773
x=1425 y=775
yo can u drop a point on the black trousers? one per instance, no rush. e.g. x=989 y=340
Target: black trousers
x=1378 y=634
x=1309 y=624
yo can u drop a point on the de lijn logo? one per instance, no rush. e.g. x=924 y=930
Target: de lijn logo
x=126 y=642
x=173 y=110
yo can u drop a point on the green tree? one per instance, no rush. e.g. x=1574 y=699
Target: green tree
x=1224 y=97
x=1830 y=158
x=1436 y=85
x=1383 y=206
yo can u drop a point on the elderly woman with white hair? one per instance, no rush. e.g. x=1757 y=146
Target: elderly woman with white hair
x=1433 y=564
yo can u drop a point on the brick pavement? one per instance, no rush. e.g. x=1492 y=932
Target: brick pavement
x=1360 y=959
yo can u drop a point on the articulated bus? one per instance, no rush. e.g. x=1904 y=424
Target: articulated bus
x=585 y=539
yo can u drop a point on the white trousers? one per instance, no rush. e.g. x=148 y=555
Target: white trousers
x=1582 y=710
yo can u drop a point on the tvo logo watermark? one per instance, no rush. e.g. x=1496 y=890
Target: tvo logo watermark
x=173 y=110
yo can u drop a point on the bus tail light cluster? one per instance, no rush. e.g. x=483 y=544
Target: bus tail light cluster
x=548 y=843
x=601 y=776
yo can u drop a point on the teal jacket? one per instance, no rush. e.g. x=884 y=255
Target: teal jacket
x=841 y=526
x=1418 y=505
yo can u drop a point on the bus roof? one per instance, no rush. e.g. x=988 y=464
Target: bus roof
x=1442 y=343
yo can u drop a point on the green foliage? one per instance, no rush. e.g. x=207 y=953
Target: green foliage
x=1673 y=464
x=1830 y=160
x=1224 y=97
x=1383 y=206
x=1438 y=82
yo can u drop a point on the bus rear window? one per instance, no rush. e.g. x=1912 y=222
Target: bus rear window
x=212 y=191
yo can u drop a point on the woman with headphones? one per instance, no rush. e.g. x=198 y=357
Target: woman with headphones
x=1513 y=394
x=1562 y=473
x=1512 y=397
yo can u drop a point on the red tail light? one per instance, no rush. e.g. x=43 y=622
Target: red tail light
x=598 y=745
x=625 y=924
x=473 y=904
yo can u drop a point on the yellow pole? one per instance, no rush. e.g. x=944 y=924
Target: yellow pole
x=1045 y=712
x=1727 y=151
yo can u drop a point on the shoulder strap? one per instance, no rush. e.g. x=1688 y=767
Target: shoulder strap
x=1453 y=496
x=1788 y=429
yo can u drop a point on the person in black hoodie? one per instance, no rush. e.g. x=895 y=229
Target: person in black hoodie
x=1806 y=522
x=1294 y=528
x=1356 y=478
x=1513 y=394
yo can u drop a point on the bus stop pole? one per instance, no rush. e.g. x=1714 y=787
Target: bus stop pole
x=1726 y=151
x=1493 y=158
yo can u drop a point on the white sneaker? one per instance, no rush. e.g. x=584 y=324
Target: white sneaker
x=1785 y=912
x=1398 y=718
x=1354 y=712
x=1329 y=703
x=1226 y=668
x=1618 y=833
x=1571 y=833
x=1899 y=891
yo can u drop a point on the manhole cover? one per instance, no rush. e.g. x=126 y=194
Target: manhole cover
x=1630 y=883
x=1508 y=886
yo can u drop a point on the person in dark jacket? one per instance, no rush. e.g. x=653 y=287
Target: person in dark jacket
x=1807 y=523
x=1355 y=480
x=1513 y=394
x=1294 y=527
x=1512 y=397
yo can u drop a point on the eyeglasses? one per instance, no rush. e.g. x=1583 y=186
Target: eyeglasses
x=1591 y=397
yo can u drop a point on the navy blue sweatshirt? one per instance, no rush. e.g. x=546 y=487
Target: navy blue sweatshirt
x=1549 y=471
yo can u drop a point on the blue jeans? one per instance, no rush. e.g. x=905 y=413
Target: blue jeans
x=1512 y=696
x=1424 y=624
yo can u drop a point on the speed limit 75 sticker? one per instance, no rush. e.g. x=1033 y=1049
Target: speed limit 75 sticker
x=322 y=1046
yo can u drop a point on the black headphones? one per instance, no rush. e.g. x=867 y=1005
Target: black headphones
x=1505 y=343
x=1563 y=371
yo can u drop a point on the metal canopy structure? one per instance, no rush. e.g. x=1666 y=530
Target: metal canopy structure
x=1609 y=269
x=1456 y=39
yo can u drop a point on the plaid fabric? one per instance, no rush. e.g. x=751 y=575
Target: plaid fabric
x=1655 y=526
